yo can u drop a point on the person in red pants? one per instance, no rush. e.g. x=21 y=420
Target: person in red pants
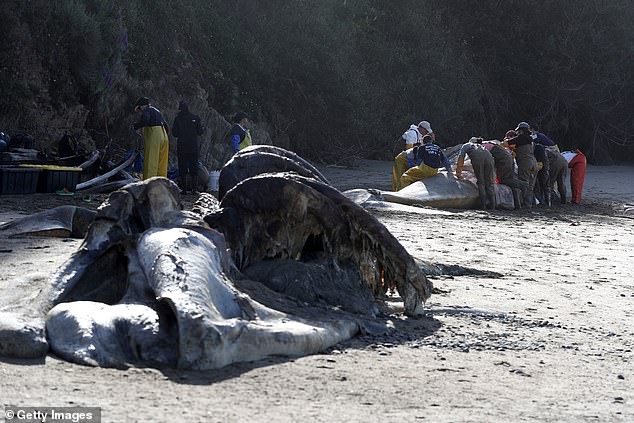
x=577 y=165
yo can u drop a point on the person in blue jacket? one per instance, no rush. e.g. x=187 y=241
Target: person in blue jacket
x=240 y=135
x=431 y=158
x=543 y=139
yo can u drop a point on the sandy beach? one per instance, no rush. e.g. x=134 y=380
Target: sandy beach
x=551 y=339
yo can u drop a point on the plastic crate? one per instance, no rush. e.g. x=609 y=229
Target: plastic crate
x=17 y=180
x=55 y=180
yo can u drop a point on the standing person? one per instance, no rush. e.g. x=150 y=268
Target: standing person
x=155 y=141
x=240 y=135
x=525 y=158
x=187 y=127
x=483 y=167
x=558 y=167
x=577 y=164
x=431 y=158
x=505 y=172
x=403 y=161
x=542 y=187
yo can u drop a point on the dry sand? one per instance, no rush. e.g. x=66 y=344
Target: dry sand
x=550 y=340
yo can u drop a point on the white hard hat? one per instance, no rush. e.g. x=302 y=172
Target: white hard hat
x=426 y=125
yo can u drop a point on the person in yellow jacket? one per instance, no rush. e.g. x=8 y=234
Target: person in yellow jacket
x=153 y=128
x=240 y=135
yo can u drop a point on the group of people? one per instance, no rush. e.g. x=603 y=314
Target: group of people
x=537 y=158
x=527 y=161
x=187 y=127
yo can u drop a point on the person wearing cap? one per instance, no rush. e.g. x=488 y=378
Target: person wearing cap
x=504 y=169
x=577 y=163
x=522 y=145
x=403 y=161
x=431 y=158
x=483 y=168
x=240 y=135
x=187 y=128
x=155 y=141
x=424 y=128
x=412 y=136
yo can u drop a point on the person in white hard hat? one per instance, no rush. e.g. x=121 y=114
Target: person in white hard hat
x=412 y=136
x=424 y=128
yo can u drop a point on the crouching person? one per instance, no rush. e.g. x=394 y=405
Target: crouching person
x=402 y=162
x=431 y=158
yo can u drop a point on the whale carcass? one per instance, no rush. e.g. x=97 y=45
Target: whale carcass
x=283 y=265
x=446 y=191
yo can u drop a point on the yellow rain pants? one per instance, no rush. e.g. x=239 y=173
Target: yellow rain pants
x=417 y=173
x=155 y=151
x=400 y=166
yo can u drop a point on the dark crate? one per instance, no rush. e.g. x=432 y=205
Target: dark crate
x=55 y=180
x=17 y=180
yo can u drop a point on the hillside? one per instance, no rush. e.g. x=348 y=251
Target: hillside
x=330 y=79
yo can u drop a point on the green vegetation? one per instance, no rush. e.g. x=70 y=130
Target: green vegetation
x=335 y=77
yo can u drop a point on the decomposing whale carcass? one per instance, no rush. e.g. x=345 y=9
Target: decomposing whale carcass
x=437 y=191
x=446 y=191
x=62 y=221
x=283 y=265
x=259 y=159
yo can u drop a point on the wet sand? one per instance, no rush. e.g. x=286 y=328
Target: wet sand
x=549 y=340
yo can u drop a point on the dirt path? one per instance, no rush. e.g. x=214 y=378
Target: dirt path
x=550 y=340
